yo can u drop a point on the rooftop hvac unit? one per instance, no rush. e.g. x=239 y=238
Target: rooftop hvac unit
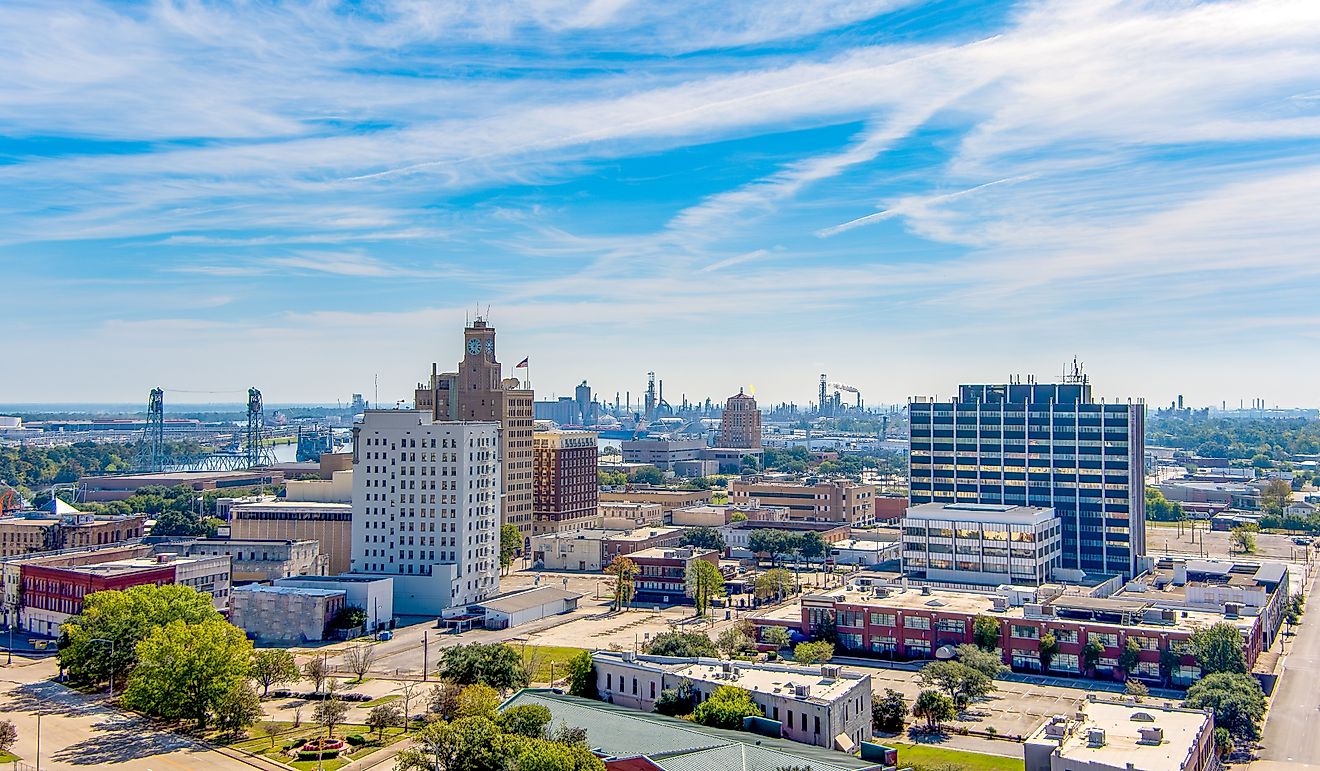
x=726 y=667
x=829 y=671
x=1152 y=735
x=1095 y=737
x=803 y=690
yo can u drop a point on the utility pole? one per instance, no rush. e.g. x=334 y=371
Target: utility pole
x=426 y=650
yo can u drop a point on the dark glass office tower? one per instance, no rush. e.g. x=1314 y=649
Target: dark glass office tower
x=1035 y=444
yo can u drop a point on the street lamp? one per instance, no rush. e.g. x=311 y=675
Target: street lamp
x=112 y=661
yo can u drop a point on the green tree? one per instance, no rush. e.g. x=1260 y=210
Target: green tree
x=581 y=676
x=478 y=701
x=1136 y=688
x=726 y=708
x=349 y=617
x=960 y=681
x=889 y=712
x=646 y=475
x=935 y=708
x=777 y=636
x=985 y=633
x=273 y=666
x=125 y=617
x=624 y=571
x=465 y=744
x=611 y=478
x=1091 y=654
x=731 y=641
x=675 y=701
x=812 y=547
x=1223 y=741
x=982 y=661
x=817 y=652
x=384 y=716
x=1129 y=657
x=493 y=664
x=238 y=708
x=1048 y=648
x=775 y=583
x=1218 y=648
x=555 y=756
x=774 y=543
x=704 y=582
x=529 y=720
x=1243 y=538
x=330 y=713
x=185 y=670
x=682 y=645
x=1160 y=509
x=1235 y=699
x=704 y=538
x=511 y=541
x=1275 y=496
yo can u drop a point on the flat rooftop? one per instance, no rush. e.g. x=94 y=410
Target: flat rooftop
x=288 y=590
x=777 y=681
x=533 y=598
x=669 y=552
x=978 y=512
x=131 y=565
x=983 y=603
x=178 y=476
x=290 y=505
x=1123 y=742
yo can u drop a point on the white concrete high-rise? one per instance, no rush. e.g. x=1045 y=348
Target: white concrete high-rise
x=426 y=507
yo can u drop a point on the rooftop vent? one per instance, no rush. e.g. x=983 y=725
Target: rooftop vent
x=1153 y=735
x=1143 y=717
x=803 y=690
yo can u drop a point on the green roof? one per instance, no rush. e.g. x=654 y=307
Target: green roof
x=678 y=745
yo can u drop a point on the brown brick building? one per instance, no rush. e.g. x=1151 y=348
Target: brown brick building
x=839 y=500
x=740 y=425
x=565 y=489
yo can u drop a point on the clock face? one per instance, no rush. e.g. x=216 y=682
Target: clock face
x=474 y=346
x=490 y=346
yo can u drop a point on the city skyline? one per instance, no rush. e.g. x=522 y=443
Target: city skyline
x=902 y=195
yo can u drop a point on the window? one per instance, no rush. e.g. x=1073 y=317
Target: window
x=1025 y=632
x=916 y=622
x=1065 y=635
x=1109 y=640
x=953 y=625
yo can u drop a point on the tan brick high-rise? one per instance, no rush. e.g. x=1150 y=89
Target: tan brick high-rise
x=479 y=391
x=740 y=425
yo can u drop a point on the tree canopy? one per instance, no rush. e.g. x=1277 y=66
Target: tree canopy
x=1218 y=648
x=1236 y=700
x=126 y=617
x=935 y=708
x=704 y=582
x=185 y=670
x=726 y=708
x=682 y=644
x=704 y=538
x=495 y=664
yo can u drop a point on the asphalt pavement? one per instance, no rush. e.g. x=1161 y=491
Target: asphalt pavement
x=1290 y=737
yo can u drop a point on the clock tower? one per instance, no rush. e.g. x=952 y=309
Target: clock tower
x=479 y=392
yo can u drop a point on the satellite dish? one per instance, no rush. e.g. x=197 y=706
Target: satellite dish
x=945 y=652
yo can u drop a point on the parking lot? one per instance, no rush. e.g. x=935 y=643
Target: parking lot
x=1171 y=539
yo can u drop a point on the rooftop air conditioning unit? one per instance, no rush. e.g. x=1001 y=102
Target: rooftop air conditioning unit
x=1095 y=737
x=803 y=690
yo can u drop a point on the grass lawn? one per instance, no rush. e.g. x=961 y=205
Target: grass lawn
x=936 y=757
x=8 y=757
x=382 y=700
x=557 y=654
x=261 y=744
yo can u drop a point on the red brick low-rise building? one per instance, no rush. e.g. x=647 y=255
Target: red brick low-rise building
x=913 y=624
x=663 y=576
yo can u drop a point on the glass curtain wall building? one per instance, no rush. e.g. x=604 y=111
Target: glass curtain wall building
x=1047 y=445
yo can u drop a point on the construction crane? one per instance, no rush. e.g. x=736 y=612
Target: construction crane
x=848 y=389
x=10 y=500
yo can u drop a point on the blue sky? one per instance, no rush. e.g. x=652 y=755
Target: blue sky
x=305 y=195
